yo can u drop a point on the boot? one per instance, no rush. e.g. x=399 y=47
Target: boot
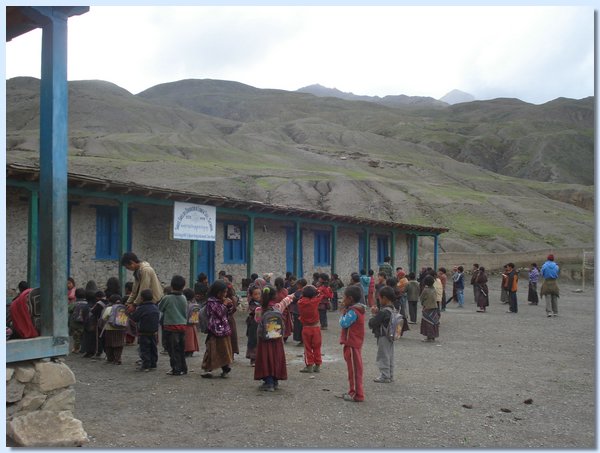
x=307 y=369
x=316 y=368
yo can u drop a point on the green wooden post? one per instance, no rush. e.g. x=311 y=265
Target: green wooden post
x=53 y=179
x=435 y=251
x=393 y=250
x=415 y=250
x=297 y=255
x=193 y=263
x=367 y=262
x=250 y=247
x=334 y=232
x=123 y=222
x=33 y=271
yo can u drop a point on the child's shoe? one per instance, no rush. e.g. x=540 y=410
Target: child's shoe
x=382 y=380
x=307 y=369
x=316 y=368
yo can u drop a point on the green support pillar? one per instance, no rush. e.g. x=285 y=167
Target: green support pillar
x=367 y=262
x=415 y=253
x=435 y=251
x=53 y=179
x=393 y=250
x=33 y=232
x=333 y=248
x=297 y=255
x=193 y=263
x=250 y=249
x=123 y=222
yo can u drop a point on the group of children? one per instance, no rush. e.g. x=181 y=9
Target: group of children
x=274 y=314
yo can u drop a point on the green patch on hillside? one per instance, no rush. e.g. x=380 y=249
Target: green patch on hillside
x=470 y=225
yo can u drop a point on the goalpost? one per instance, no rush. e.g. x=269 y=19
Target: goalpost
x=587 y=264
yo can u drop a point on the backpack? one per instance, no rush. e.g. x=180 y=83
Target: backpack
x=193 y=314
x=79 y=313
x=203 y=319
x=35 y=310
x=118 y=317
x=272 y=325
x=393 y=331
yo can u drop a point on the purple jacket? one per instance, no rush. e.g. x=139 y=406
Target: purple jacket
x=216 y=312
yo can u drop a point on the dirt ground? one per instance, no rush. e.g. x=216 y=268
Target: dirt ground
x=489 y=362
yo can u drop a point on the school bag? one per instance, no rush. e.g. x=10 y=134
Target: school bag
x=193 y=314
x=272 y=325
x=393 y=331
x=79 y=312
x=203 y=319
x=118 y=317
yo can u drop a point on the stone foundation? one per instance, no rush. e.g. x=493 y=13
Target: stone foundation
x=39 y=404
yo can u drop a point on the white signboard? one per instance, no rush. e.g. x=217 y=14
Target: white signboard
x=194 y=222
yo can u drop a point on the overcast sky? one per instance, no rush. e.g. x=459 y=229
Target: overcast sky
x=535 y=53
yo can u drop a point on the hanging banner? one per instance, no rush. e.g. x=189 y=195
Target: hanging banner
x=194 y=222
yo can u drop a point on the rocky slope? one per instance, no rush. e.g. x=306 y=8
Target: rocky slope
x=411 y=164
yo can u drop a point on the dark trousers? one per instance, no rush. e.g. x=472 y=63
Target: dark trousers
x=512 y=300
x=175 y=344
x=334 y=302
x=148 y=350
x=323 y=317
x=412 y=310
x=297 y=327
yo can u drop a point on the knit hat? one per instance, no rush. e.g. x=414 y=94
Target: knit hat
x=401 y=274
x=550 y=257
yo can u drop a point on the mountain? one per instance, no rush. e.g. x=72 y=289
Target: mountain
x=457 y=97
x=502 y=175
x=390 y=101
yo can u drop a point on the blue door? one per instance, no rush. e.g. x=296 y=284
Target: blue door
x=206 y=259
x=361 y=252
x=290 y=234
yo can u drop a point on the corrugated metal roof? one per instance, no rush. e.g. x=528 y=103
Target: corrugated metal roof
x=31 y=173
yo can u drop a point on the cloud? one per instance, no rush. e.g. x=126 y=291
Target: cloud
x=534 y=53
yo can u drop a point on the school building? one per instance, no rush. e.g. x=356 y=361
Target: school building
x=107 y=218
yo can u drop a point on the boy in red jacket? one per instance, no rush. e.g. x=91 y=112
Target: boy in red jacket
x=352 y=323
x=308 y=306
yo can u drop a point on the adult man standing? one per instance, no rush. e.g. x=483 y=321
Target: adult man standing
x=144 y=278
x=550 y=272
x=386 y=267
x=474 y=274
x=511 y=286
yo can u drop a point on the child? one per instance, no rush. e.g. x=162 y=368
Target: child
x=297 y=328
x=131 y=327
x=352 y=336
x=76 y=327
x=336 y=284
x=308 y=306
x=114 y=337
x=253 y=303
x=146 y=317
x=173 y=306
x=219 y=353
x=385 y=346
x=412 y=294
x=430 y=319
x=326 y=295
x=191 y=330
x=270 y=354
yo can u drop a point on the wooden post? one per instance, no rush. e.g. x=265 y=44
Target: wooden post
x=393 y=251
x=297 y=255
x=193 y=263
x=435 y=252
x=123 y=222
x=250 y=247
x=53 y=179
x=33 y=271
x=333 y=248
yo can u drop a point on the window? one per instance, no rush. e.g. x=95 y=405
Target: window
x=234 y=243
x=322 y=248
x=382 y=248
x=107 y=233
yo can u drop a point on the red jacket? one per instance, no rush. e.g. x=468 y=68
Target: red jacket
x=354 y=335
x=21 y=317
x=309 y=310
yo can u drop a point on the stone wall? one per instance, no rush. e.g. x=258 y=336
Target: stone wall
x=152 y=241
x=39 y=405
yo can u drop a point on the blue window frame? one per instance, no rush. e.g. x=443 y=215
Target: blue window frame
x=234 y=249
x=382 y=248
x=107 y=232
x=322 y=248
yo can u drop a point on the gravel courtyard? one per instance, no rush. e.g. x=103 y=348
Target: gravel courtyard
x=468 y=390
